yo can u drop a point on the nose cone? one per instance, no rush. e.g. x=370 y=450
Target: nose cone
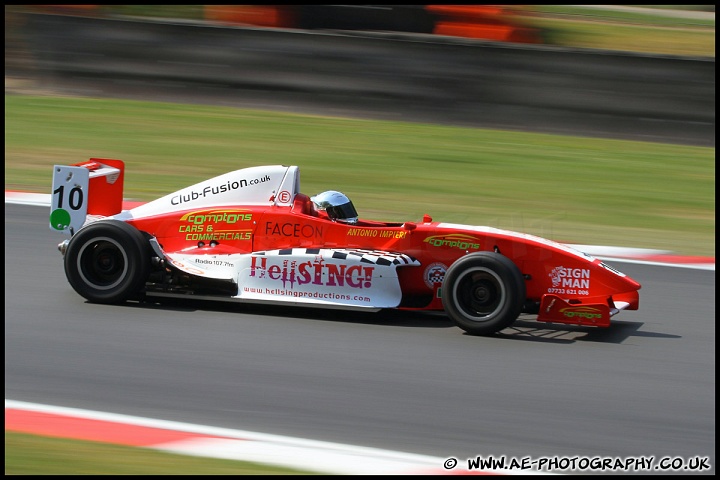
x=632 y=283
x=621 y=281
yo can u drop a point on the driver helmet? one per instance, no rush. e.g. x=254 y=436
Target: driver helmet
x=338 y=207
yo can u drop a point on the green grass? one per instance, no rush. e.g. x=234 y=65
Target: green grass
x=647 y=16
x=574 y=190
x=667 y=38
x=74 y=457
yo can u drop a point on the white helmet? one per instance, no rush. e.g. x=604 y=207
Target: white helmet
x=338 y=207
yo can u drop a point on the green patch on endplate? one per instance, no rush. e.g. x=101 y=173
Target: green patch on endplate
x=60 y=219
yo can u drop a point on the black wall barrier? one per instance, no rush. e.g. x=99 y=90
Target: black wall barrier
x=405 y=77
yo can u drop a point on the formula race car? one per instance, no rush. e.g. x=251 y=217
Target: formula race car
x=251 y=236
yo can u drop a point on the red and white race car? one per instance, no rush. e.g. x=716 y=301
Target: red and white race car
x=251 y=236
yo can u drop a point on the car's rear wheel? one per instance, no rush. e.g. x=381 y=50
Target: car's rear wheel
x=483 y=293
x=108 y=262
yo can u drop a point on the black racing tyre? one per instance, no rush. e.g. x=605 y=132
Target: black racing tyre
x=483 y=293
x=108 y=262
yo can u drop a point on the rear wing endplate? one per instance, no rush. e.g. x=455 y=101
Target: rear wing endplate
x=94 y=187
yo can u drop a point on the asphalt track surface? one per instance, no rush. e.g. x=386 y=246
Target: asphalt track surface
x=401 y=381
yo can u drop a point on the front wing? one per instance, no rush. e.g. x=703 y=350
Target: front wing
x=591 y=312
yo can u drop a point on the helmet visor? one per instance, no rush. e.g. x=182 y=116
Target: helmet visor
x=346 y=212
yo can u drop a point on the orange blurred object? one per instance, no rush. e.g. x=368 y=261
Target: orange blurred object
x=257 y=15
x=488 y=22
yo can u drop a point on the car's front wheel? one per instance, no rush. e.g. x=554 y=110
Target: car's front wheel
x=483 y=292
x=108 y=262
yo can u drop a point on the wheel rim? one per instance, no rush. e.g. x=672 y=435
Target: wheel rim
x=102 y=263
x=480 y=294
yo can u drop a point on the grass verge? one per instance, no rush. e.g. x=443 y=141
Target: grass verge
x=569 y=189
x=74 y=457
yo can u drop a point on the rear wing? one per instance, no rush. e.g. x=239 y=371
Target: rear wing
x=94 y=187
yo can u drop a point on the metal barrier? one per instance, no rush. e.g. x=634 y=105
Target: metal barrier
x=406 y=77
